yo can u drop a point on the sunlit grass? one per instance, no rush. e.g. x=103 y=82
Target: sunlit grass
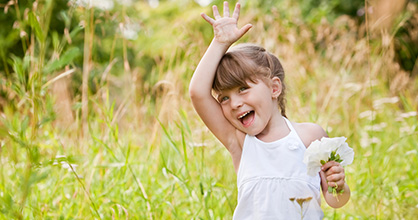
x=147 y=155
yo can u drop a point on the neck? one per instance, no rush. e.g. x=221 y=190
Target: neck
x=276 y=129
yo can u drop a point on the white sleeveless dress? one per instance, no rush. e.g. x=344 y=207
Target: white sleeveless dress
x=273 y=182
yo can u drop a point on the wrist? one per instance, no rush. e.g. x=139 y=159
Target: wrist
x=222 y=45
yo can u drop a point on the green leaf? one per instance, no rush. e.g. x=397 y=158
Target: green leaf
x=55 y=40
x=337 y=157
x=36 y=27
x=330 y=189
x=64 y=60
x=75 y=31
x=18 y=68
x=332 y=157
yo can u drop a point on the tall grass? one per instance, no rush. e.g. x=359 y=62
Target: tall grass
x=144 y=153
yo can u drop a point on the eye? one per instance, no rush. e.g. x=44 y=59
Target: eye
x=241 y=89
x=223 y=99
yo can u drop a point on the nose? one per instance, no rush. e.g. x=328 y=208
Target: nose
x=236 y=102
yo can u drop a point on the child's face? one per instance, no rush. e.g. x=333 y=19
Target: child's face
x=249 y=109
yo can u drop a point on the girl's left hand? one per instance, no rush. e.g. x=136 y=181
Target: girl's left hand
x=332 y=174
x=225 y=27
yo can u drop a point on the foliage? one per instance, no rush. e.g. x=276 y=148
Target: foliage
x=406 y=40
x=314 y=11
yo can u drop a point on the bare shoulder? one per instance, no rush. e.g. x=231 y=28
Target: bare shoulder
x=309 y=132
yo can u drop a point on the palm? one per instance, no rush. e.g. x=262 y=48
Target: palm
x=225 y=28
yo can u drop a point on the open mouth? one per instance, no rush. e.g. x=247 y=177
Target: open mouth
x=246 y=118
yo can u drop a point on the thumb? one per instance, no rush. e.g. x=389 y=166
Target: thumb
x=245 y=29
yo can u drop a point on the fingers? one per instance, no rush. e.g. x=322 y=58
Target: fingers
x=337 y=181
x=226 y=9
x=333 y=168
x=227 y=20
x=236 y=11
x=329 y=164
x=207 y=18
x=338 y=185
x=244 y=29
x=216 y=12
x=336 y=177
x=334 y=174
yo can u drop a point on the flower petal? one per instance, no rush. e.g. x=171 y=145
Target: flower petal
x=321 y=150
x=346 y=153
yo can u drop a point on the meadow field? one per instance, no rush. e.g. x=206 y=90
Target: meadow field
x=96 y=120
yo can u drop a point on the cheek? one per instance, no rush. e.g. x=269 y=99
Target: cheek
x=227 y=114
x=225 y=111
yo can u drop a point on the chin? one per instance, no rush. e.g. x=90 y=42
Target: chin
x=252 y=133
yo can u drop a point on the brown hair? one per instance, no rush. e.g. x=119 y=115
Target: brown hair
x=249 y=62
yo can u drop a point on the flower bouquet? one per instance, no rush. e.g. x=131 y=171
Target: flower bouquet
x=325 y=150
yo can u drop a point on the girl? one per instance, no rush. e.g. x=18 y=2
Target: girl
x=248 y=116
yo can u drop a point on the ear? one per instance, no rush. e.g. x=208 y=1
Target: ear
x=276 y=87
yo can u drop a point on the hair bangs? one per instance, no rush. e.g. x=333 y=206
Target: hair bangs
x=234 y=72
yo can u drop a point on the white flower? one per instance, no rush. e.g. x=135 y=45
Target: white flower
x=154 y=3
x=62 y=159
x=105 y=5
x=204 y=3
x=125 y=2
x=130 y=30
x=321 y=151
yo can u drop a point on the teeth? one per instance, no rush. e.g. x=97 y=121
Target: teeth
x=243 y=115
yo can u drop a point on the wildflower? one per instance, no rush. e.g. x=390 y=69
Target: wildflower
x=130 y=30
x=62 y=160
x=388 y=100
x=154 y=3
x=327 y=149
x=105 y=5
x=302 y=202
x=125 y=2
x=204 y=3
x=408 y=114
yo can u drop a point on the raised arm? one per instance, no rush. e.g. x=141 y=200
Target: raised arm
x=226 y=33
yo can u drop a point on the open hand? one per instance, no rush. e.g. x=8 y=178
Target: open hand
x=333 y=174
x=225 y=28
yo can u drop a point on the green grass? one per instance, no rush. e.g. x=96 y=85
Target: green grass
x=145 y=154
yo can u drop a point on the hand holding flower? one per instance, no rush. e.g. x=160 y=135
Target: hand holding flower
x=333 y=174
x=328 y=156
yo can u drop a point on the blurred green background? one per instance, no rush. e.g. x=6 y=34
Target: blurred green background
x=96 y=122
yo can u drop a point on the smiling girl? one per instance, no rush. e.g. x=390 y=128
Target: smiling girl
x=248 y=116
